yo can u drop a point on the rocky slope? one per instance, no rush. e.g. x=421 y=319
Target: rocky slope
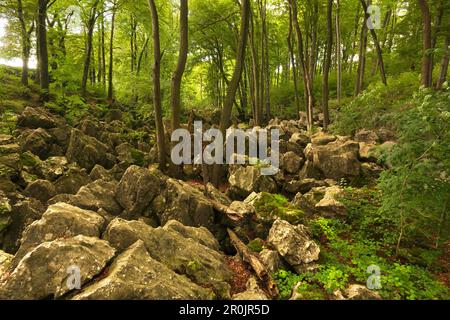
x=87 y=198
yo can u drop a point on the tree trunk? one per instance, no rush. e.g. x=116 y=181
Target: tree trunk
x=339 y=52
x=88 y=54
x=234 y=83
x=426 y=60
x=26 y=45
x=255 y=73
x=326 y=65
x=362 y=58
x=43 y=51
x=293 y=61
x=111 y=54
x=377 y=45
x=157 y=87
x=445 y=60
x=306 y=74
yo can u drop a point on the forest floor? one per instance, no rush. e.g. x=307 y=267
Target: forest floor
x=79 y=187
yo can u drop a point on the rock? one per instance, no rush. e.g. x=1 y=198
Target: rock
x=367 y=152
x=367 y=136
x=23 y=214
x=200 y=235
x=100 y=173
x=253 y=292
x=9 y=148
x=5 y=212
x=71 y=181
x=310 y=172
x=309 y=152
x=61 y=136
x=271 y=260
x=42 y=190
x=293 y=243
x=90 y=128
x=292 y=162
x=136 y=190
x=338 y=160
x=5 y=262
x=385 y=135
x=359 y=292
x=329 y=206
x=35 y=118
x=113 y=115
x=52 y=168
x=204 y=266
x=307 y=202
x=218 y=195
x=88 y=151
x=269 y=207
x=322 y=139
x=127 y=153
x=300 y=138
x=6 y=139
x=10 y=166
x=243 y=209
x=307 y=184
x=97 y=195
x=371 y=171
x=59 y=221
x=44 y=272
x=38 y=142
x=245 y=180
x=182 y=202
x=288 y=146
x=134 y=275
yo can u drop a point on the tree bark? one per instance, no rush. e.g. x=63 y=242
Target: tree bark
x=234 y=83
x=88 y=54
x=26 y=43
x=182 y=59
x=362 y=58
x=445 y=60
x=157 y=86
x=326 y=65
x=44 y=77
x=339 y=52
x=111 y=54
x=426 y=60
x=306 y=74
x=293 y=61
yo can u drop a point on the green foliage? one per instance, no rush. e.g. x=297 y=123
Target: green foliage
x=72 y=107
x=274 y=205
x=416 y=189
x=286 y=281
x=376 y=106
x=256 y=245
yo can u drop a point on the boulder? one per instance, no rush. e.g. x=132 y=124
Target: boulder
x=38 y=142
x=42 y=190
x=9 y=148
x=10 y=166
x=59 y=221
x=52 y=168
x=253 y=292
x=292 y=162
x=100 y=173
x=245 y=180
x=97 y=195
x=35 y=118
x=45 y=272
x=136 y=190
x=134 y=275
x=367 y=152
x=129 y=154
x=310 y=172
x=182 y=202
x=360 y=292
x=205 y=266
x=294 y=244
x=367 y=136
x=329 y=206
x=271 y=260
x=88 y=151
x=5 y=212
x=72 y=180
x=200 y=235
x=6 y=139
x=300 y=138
x=23 y=214
x=338 y=160
x=322 y=139
x=5 y=262
x=308 y=201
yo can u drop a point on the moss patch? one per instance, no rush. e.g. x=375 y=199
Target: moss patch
x=271 y=206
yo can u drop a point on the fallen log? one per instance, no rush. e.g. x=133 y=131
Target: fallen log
x=254 y=262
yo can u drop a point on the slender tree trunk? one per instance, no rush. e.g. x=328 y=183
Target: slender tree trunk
x=25 y=43
x=445 y=60
x=377 y=45
x=426 y=60
x=338 y=52
x=43 y=51
x=157 y=87
x=235 y=80
x=293 y=61
x=111 y=54
x=306 y=74
x=255 y=73
x=103 y=54
x=88 y=54
x=179 y=71
x=362 y=58
x=326 y=65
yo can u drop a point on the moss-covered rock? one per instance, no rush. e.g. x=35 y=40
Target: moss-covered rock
x=269 y=207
